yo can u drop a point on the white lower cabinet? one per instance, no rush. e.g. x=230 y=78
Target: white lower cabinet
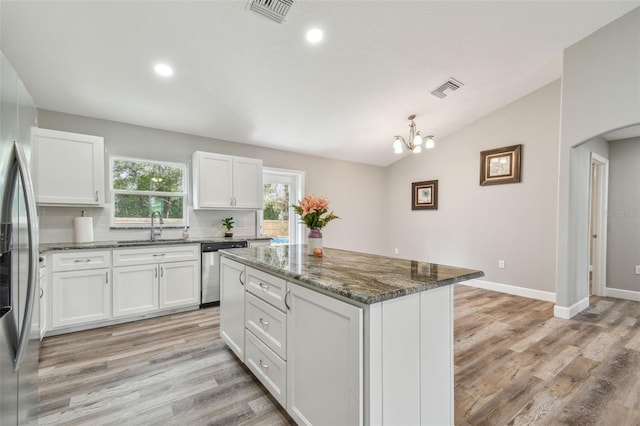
x=232 y=280
x=81 y=297
x=135 y=290
x=154 y=278
x=324 y=359
x=87 y=292
x=80 y=288
x=305 y=347
x=179 y=284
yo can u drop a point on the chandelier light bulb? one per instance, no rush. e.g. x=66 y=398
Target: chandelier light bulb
x=430 y=144
x=418 y=139
x=417 y=150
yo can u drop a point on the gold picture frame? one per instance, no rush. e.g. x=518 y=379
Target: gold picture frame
x=424 y=195
x=500 y=165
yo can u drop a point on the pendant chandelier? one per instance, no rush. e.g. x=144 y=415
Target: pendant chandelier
x=415 y=140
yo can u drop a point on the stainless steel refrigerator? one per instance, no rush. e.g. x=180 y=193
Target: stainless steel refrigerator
x=19 y=288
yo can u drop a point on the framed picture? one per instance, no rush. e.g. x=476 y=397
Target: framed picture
x=501 y=165
x=424 y=195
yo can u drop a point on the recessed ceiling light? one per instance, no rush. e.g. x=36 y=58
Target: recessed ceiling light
x=314 y=35
x=163 y=70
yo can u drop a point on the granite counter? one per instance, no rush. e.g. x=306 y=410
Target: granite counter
x=45 y=247
x=365 y=278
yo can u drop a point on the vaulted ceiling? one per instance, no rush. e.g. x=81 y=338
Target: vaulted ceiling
x=241 y=77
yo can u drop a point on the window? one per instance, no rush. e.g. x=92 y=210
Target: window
x=282 y=188
x=140 y=187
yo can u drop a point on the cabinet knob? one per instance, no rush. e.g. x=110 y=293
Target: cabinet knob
x=262 y=364
x=263 y=285
x=263 y=322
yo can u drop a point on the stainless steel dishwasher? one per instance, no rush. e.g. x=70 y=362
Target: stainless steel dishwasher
x=210 y=294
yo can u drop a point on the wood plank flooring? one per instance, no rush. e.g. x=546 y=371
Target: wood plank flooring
x=514 y=364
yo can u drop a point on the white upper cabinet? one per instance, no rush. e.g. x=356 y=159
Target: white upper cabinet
x=226 y=182
x=68 y=168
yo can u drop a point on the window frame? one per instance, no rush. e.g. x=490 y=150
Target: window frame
x=146 y=225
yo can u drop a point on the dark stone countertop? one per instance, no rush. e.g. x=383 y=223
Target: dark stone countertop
x=139 y=243
x=361 y=277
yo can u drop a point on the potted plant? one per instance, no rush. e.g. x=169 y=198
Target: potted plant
x=228 y=223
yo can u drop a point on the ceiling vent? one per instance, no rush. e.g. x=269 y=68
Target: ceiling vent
x=276 y=10
x=450 y=85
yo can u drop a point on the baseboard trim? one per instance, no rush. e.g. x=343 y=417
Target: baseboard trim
x=622 y=294
x=547 y=296
x=571 y=311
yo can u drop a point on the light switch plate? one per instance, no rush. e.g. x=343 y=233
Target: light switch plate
x=637 y=269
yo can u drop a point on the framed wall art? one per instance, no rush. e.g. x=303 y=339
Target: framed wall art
x=424 y=195
x=500 y=165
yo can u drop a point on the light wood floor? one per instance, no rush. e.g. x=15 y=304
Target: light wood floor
x=515 y=364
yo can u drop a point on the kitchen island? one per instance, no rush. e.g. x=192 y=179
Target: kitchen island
x=347 y=338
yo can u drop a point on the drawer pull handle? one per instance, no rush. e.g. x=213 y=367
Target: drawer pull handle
x=262 y=285
x=241 y=277
x=161 y=254
x=263 y=322
x=262 y=364
x=82 y=260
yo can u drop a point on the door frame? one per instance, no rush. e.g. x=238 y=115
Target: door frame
x=599 y=270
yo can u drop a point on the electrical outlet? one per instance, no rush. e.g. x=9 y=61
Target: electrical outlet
x=637 y=269
x=396 y=251
x=501 y=264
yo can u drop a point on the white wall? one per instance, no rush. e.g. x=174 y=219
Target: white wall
x=600 y=93
x=623 y=226
x=475 y=226
x=356 y=191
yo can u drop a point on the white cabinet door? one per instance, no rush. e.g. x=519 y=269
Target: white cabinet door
x=212 y=180
x=226 y=182
x=80 y=297
x=232 y=279
x=179 y=284
x=324 y=357
x=68 y=168
x=135 y=290
x=247 y=183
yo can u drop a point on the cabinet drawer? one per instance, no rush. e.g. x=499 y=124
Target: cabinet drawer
x=267 y=287
x=268 y=367
x=267 y=323
x=147 y=255
x=80 y=259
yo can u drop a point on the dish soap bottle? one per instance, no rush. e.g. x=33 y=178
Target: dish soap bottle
x=185 y=233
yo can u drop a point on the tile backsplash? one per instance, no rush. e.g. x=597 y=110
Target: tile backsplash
x=56 y=224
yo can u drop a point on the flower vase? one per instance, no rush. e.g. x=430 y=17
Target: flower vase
x=314 y=245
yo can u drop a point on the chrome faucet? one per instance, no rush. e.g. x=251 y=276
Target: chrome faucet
x=156 y=232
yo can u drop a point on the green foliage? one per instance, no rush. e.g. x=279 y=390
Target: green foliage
x=134 y=175
x=276 y=201
x=228 y=223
